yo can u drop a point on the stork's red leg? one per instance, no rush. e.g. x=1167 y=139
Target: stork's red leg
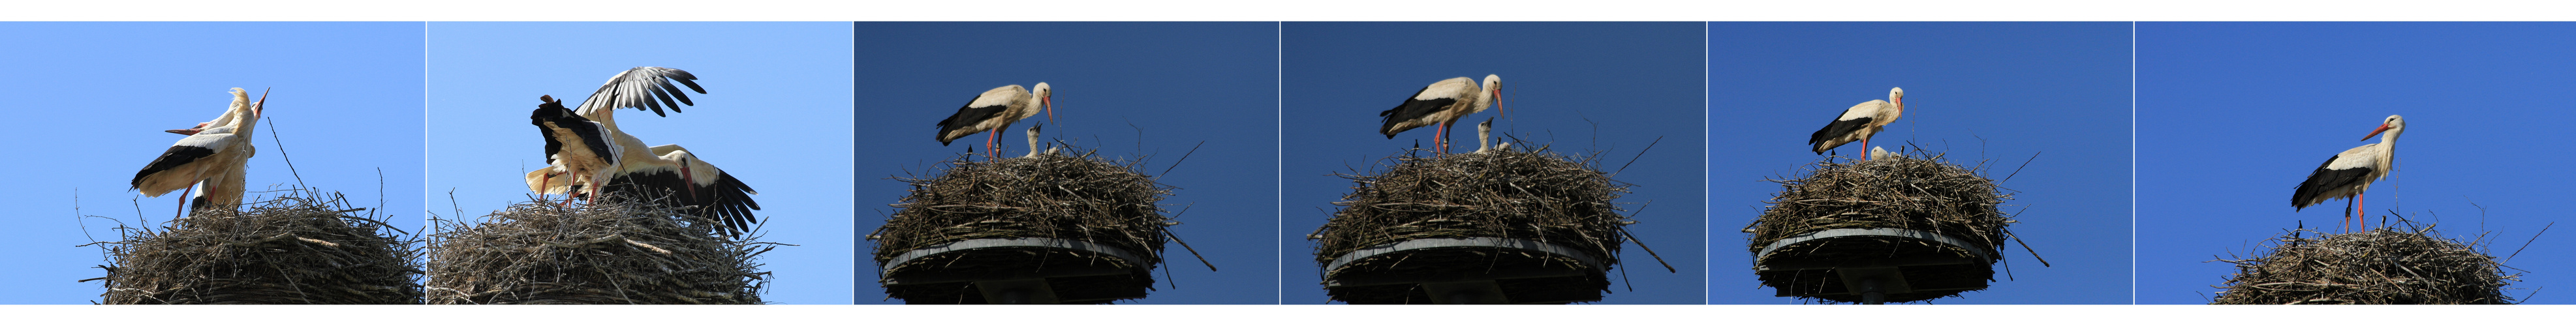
x=183 y=202
x=1864 y=148
x=2361 y=207
x=988 y=142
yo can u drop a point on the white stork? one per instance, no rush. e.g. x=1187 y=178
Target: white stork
x=1441 y=104
x=1484 y=136
x=1033 y=142
x=214 y=153
x=677 y=178
x=994 y=110
x=2347 y=175
x=594 y=124
x=1859 y=123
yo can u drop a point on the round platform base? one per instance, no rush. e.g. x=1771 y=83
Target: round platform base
x=1465 y=271
x=1873 y=266
x=1016 y=271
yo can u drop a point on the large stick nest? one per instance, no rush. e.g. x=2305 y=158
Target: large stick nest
x=1917 y=192
x=1500 y=194
x=2384 y=266
x=1073 y=197
x=289 y=250
x=610 y=251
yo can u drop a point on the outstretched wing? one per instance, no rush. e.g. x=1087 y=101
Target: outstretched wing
x=643 y=88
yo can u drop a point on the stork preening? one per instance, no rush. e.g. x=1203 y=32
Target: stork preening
x=1860 y=122
x=994 y=110
x=2347 y=175
x=585 y=147
x=214 y=153
x=1441 y=104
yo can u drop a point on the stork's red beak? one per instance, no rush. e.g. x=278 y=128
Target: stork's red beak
x=189 y=131
x=1048 y=103
x=2375 y=132
x=260 y=107
x=1498 y=101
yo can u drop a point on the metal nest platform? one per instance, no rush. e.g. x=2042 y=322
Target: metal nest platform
x=1476 y=270
x=1016 y=271
x=1873 y=265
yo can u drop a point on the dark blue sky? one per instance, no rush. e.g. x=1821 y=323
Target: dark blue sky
x=1633 y=82
x=1979 y=91
x=777 y=94
x=2234 y=115
x=345 y=102
x=1125 y=89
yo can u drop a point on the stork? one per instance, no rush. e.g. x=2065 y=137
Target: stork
x=1860 y=122
x=2347 y=175
x=676 y=178
x=214 y=153
x=1033 y=142
x=994 y=110
x=1441 y=104
x=594 y=124
x=1485 y=136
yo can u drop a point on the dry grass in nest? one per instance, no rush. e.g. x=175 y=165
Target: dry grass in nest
x=1074 y=197
x=1917 y=191
x=2384 y=266
x=289 y=250
x=613 y=251
x=1501 y=194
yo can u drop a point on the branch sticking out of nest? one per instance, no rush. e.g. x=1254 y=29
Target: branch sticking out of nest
x=2384 y=266
x=612 y=251
x=289 y=250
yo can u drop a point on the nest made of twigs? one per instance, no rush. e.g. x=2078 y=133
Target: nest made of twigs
x=609 y=251
x=1918 y=191
x=1059 y=196
x=290 y=250
x=1536 y=196
x=2383 y=266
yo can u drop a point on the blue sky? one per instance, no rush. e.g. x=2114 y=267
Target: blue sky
x=2234 y=115
x=1978 y=91
x=345 y=104
x=1581 y=87
x=1125 y=89
x=774 y=115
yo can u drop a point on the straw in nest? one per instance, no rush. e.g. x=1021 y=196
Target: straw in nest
x=2384 y=266
x=1500 y=194
x=1916 y=192
x=1072 y=197
x=289 y=250
x=614 y=251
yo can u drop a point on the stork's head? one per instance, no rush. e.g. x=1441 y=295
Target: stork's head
x=2394 y=125
x=1046 y=100
x=1897 y=95
x=1494 y=88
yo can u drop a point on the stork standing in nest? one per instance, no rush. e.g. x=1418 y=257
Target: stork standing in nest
x=1441 y=104
x=994 y=110
x=215 y=153
x=605 y=159
x=2347 y=175
x=1860 y=122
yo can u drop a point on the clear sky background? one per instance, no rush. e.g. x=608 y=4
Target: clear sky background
x=775 y=116
x=345 y=103
x=1125 y=89
x=1581 y=87
x=2232 y=116
x=1978 y=91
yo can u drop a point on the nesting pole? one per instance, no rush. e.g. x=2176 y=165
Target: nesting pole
x=2382 y=266
x=1042 y=229
x=1492 y=227
x=290 y=250
x=1897 y=228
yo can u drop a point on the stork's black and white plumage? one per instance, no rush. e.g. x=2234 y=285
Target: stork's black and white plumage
x=1441 y=104
x=214 y=153
x=577 y=148
x=994 y=110
x=2347 y=175
x=1859 y=123
x=640 y=88
x=679 y=179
